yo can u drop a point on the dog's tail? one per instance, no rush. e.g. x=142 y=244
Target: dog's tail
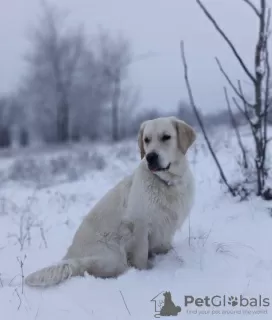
x=111 y=265
x=54 y=274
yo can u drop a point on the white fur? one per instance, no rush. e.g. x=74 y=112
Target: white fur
x=140 y=215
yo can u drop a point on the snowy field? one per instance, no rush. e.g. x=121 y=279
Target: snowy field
x=223 y=249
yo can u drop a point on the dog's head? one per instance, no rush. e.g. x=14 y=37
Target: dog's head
x=164 y=142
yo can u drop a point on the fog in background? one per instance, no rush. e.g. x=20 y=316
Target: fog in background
x=153 y=82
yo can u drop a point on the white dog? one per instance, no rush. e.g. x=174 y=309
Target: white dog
x=139 y=216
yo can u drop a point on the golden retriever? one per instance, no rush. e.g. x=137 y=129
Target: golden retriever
x=137 y=217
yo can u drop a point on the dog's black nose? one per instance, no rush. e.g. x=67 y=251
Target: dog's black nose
x=152 y=158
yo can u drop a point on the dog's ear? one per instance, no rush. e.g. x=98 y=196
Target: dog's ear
x=185 y=133
x=140 y=140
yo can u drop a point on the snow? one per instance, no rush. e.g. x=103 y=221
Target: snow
x=223 y=249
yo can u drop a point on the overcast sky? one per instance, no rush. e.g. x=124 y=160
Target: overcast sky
x=152 y=26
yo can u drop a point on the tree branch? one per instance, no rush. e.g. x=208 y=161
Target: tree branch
x=236 y=130
x=239 y=108
x=231 y=45
x=191 y=97
x=231 y=83
x=245 y=111
x=253 y=7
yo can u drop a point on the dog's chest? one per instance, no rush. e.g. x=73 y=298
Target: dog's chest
x=164 y=205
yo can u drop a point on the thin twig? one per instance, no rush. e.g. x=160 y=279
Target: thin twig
x=36 y=316
x=13 y=279
x=43 y=237
x=21 y=263
x=125 y=302
x=236 y=130
x=245 y=114
x=242 y=97
x=20 y=300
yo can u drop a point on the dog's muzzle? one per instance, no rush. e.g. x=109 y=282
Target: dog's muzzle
x=153 y=163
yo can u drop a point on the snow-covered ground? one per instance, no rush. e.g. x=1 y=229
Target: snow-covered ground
x=223 y=249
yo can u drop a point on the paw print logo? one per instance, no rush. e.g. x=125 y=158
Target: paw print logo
x=233 y=301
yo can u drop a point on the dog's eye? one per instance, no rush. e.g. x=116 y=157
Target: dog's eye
x=165 y=137
x=146 y=140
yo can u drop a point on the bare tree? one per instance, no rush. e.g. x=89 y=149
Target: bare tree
x=115 y=57
x=129 y=102
x=12 y=119
x=5 y=139
x=53 y=63
x=91 y=96
x=260 y=80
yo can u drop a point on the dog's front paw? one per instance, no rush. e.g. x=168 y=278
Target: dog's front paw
x=141 y=265
x=138 y=261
